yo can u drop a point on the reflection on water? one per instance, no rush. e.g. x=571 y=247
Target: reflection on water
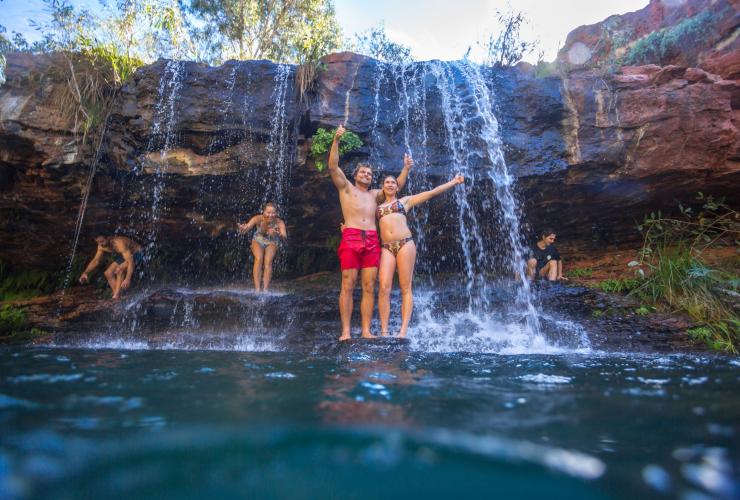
x=365 y=423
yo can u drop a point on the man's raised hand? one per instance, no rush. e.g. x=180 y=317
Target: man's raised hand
x=339 y=133
x=458 y=179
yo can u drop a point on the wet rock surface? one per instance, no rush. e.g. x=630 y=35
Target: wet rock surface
x=303 y=317
x=592 y=153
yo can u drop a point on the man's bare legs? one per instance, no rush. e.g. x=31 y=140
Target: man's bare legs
x=349 y=279
x=405 y=261
x=270 y=252
x=110 y=277
x=385 y=276
x=258 y=253
x=119 y=276
x=368 y=275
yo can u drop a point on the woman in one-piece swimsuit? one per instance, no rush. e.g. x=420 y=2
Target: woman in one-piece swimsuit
x=267 y=239
x=398 y=248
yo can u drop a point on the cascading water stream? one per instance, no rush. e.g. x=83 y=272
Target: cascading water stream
x=280 y=147
x=164 y=130
x=503 y=182
x=457 y=115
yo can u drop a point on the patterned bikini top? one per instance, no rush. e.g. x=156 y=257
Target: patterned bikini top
x=270 y=225
x=394 y=208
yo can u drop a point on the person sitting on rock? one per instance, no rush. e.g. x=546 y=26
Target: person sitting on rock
x=544 y=259
x=126 y=254
x=267 y=239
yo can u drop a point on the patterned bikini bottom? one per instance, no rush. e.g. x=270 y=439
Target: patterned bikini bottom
x=395 y=246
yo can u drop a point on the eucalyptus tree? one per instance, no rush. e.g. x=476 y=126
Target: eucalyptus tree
x=293 y=31
x=376 y=43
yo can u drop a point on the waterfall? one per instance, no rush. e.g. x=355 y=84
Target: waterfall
x=163 y=137
x=474 y=143
x=280 y=146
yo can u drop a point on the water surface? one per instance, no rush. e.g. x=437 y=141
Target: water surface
x=365 y=422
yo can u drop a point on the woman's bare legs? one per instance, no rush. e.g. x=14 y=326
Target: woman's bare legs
x=385 y=275
x=258 y=253
x=405 y=261
x=270 y=252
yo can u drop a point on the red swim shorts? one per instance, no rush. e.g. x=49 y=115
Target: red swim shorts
x=359 y=249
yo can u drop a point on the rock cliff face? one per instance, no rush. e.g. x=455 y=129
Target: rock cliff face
x=190 y=150
x=689 y=33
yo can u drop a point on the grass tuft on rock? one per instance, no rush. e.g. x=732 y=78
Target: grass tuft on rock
x=674 y=272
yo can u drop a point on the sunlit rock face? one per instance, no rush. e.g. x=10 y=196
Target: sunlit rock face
x=190 y=150
x=637 y=140
x=701 y=33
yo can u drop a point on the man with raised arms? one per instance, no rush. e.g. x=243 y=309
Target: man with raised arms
x=359 y=251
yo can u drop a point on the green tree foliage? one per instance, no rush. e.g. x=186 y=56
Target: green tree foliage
x=507 y=47
x=376 y=43
x=291 y=31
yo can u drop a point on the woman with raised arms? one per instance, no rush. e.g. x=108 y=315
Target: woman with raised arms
x=398 y=248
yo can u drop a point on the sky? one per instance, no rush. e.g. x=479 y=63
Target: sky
x=434 y=29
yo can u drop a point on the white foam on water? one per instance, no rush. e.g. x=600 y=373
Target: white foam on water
x=183 y=341
x=229 y=289
x=481 y=333
x=654 y=381
x=542 y=378
x=286 y=375
x=106 y=343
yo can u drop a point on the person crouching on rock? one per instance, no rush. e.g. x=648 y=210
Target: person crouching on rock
x=126 y=253
x=544 y=259
x=268 y=237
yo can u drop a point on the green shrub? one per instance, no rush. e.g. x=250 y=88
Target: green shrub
x=580 y=272
x=644 y=310
x=659 y=44
x=12 y=320
x=618 y=285
x=322 y=140
x=674 y=272
x=24 y=284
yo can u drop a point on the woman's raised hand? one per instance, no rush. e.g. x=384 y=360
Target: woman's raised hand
x=458 y=179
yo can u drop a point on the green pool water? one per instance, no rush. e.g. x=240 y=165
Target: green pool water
x=363 y=423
